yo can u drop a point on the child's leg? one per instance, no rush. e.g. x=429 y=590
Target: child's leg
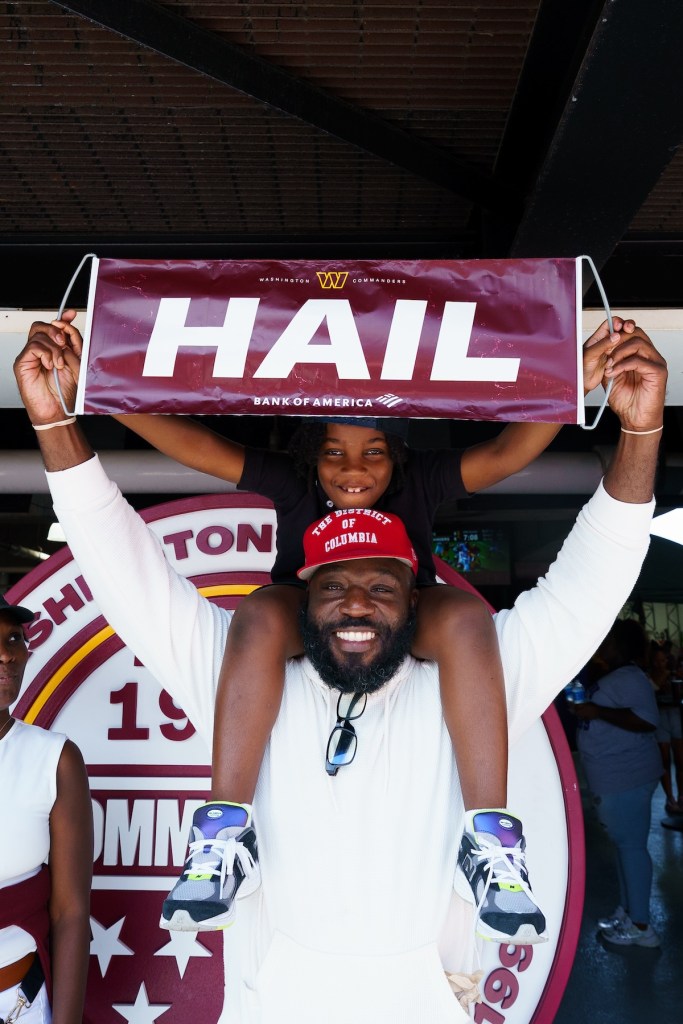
x=263 y=635
x=222 y=864
x=456 y=630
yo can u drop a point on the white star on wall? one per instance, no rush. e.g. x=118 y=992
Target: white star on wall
x=141 y=1012
x=182 y=946
x=106 y=943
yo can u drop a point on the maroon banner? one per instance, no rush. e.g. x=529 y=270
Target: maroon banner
x=467 y=339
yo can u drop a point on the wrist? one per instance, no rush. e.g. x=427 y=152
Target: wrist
x=652 y=430
x=63 y=446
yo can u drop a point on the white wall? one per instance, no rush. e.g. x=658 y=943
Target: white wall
x=665 y=327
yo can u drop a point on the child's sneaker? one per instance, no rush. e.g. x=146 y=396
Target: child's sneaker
x=628 y=934
x=493 y=860
x=222 y=866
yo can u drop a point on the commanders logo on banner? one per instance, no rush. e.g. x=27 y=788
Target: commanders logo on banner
x=149 y=770
x=467 y=339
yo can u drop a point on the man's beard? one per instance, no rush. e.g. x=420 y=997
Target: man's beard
x=349 y=675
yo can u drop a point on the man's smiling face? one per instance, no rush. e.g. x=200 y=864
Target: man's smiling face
x=359 y=622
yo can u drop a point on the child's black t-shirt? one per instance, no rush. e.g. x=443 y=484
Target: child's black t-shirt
x=431 y=477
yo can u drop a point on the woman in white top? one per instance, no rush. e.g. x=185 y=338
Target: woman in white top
x=45 y=855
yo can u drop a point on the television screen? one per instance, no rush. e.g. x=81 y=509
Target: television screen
x=481 y=554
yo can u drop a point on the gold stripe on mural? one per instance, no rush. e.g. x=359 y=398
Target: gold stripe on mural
x=62 y=673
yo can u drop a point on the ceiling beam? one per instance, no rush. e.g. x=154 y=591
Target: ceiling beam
x=644 y=272
x=621 y=124
x=556 y=48
x=161 y=29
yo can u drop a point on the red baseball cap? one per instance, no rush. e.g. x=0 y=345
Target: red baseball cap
x=352 y=533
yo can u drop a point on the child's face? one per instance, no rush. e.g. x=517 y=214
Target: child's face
x=354 y=465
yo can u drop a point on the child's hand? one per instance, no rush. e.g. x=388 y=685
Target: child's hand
x=597 y=351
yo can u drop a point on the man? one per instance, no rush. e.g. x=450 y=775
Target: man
x=354 y=902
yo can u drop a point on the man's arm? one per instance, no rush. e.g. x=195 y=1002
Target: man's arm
x=639 y=373
x=64 y=445
x=176 y=633
x=190 y=443
x=554 y=628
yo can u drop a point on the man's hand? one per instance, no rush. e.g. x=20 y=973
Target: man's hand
x=53 y=346
x=597 y=351
x=49 y=346
x=640 y=374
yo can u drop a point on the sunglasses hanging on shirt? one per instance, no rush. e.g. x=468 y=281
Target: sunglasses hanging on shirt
x=343 y=742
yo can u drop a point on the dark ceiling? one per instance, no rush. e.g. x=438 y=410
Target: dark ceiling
x=340 y=128
x=343 y=127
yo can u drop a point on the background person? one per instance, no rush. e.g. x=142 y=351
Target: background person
x=669 y=728
x=46 y=854
x=623 y=766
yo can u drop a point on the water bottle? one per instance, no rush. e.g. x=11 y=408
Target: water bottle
x=575 y=692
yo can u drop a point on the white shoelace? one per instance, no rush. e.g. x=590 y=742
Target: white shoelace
x=506 y=861
x=227 y=851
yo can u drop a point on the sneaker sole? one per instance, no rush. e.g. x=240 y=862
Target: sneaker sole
x=648 y=944
x=182 y=921
x=526 y=935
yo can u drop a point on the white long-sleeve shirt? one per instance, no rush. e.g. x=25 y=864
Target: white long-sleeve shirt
x=28 y=768
x=357 y=869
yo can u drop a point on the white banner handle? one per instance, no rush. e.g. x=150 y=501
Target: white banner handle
x=62 y=307
x=608 y=314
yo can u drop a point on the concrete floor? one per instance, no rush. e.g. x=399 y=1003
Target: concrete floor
x=630 y=985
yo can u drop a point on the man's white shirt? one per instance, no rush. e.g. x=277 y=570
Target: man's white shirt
x=357 y=894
